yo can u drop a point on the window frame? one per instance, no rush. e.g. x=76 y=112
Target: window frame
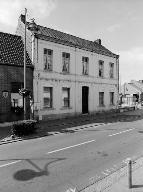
x=101 y=99
x=101 y=69
x=111 y=70
x=112 y=97
x=49 y=59
x=66 y=99
x=85 y=65
x=65 y=62
x=46 y=97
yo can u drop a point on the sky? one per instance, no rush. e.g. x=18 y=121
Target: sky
x=118 y=23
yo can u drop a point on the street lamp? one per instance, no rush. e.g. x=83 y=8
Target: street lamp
x=24 y=99
x=34 y=29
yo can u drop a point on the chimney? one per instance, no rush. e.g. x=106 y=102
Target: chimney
x=98 y=41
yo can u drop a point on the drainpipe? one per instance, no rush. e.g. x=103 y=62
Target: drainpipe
x=117 y=67
x=75 y=81
x=33 y=62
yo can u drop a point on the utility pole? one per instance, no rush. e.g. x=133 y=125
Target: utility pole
x=25 y=65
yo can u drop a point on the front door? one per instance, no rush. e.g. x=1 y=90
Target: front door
x=85 y=91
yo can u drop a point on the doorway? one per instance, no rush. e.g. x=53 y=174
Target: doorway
x=85 y=91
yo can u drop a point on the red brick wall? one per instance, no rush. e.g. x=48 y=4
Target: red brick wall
x=9 y=74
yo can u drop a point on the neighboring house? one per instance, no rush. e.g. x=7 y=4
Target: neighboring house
x=132 y=92
x=71 y=75
x=11 y=76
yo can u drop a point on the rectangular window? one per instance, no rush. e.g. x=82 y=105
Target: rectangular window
x=66 y=97
x=85 y=65
x=101 y=68
x=48 y=59
x=101 y=98
x=111 y=98
x=15 y=86
x=111 y=72
x=66 y=62
x=48 y=97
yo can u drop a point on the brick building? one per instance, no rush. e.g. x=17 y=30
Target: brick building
x=72 y=75
x=11 y=76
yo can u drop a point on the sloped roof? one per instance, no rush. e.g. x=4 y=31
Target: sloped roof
x=45 y=33
x=12 y=50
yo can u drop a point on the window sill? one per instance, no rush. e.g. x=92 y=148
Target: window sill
x=64 y=108
x=48 y=108
x=101 y=106
x=85 y=74
x=65 y=73
x=112 y=105
x=48 y=70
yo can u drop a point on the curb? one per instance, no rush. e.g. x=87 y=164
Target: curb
x=106 y=183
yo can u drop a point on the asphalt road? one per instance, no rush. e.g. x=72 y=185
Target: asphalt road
x=57 y=163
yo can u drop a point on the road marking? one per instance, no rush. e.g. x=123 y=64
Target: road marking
x=71 y=190
x=104 y=173
x=107 y=170
x=121 y=132
x=7 y=164
x=72 y=146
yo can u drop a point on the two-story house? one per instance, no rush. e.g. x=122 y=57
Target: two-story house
x=71 y=75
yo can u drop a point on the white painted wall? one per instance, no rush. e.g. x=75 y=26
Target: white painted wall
x=74 y=80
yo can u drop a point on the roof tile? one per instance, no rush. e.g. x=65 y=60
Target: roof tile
x=12 y=50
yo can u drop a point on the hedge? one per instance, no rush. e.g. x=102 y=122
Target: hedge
x=25 y=127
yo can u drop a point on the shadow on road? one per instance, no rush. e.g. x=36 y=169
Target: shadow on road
x=28 y=174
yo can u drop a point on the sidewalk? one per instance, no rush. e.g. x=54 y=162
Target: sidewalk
x=69 y=125
x=118 y=180
x=122 y=184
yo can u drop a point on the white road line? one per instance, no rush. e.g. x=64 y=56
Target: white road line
x=104 y=173
x=72 y=146
x=7 y=164
x=107 y=170
x=121 y=132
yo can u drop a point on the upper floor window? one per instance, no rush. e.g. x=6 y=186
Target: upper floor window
x=101 y=68
x=65 y=62
x=85 y=65
x=47 y=97
x=16 y=86
x=111 y=98
x=101 y=98
x=111 y=72
x=66 y=96
x=48 y=59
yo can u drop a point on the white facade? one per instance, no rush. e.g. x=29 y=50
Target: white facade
x=75 y=80
x=58 y=94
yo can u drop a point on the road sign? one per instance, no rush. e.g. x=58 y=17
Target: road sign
x=4 y=94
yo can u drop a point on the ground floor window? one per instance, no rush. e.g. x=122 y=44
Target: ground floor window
x=16 y=98
x=111 y=98
x=66 y=97
x=101 y=98
x=48 y=97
